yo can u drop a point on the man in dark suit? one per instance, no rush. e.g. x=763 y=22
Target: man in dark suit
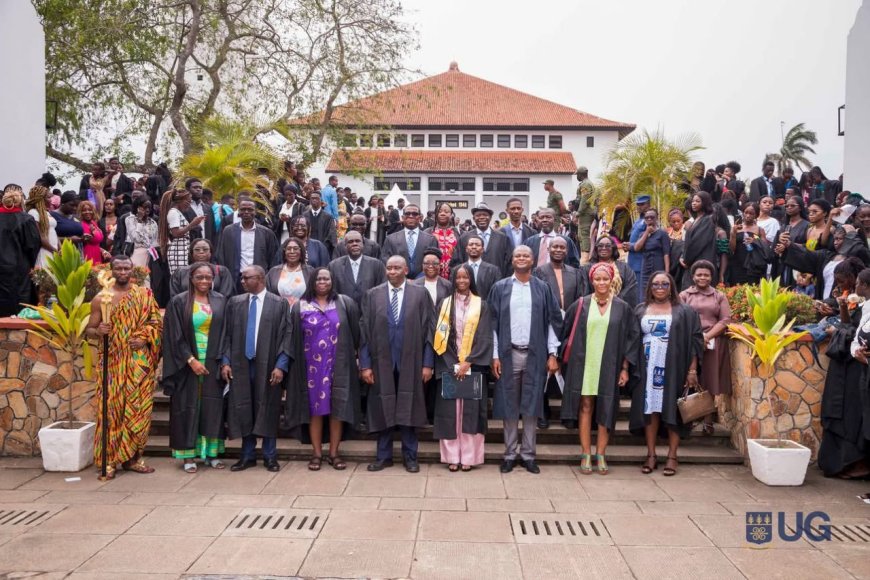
x=540 y=243
x=396 y=359
x=199 y=208
x=119 y=184
x=410 y=242
x=517 y=231
x=485 y=275
x=322 y=224
x=496 y=246
x=358 y=223
x=437 y=287
x=354 y=274
x=764 y=185
x=247 y=243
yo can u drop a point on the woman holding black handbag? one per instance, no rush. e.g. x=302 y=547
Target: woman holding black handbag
x=463 y=343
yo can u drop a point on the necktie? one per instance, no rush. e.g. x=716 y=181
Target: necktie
x=394 y=305
x=251 y=331
x=355 y=267
x=485 y=236
x=544 y=250
x=474 y=268
x=412 y=243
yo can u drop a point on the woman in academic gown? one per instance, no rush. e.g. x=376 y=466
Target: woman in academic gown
x=201 y=251
x=602 y=345
x=193 y=325
x=624 y=279
x=20 y=240
x=323 y=383
x=672 y=344
x=700 y=241
x=463 y=337
x=822 y=263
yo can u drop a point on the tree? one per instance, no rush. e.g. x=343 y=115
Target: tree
x=795 y=146
x=648 y=163
x=128 y=72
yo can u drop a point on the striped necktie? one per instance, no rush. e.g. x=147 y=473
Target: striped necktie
x=394 y=304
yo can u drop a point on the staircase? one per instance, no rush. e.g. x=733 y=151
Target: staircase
x=555 y=445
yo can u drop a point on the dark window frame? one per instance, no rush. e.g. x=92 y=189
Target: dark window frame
x=503 y=141
x=590 y=141
x=418 y=140
x=403 y=137
x=487 y=140
x=539 y=141
x=472 y=138
x=525 y=141
x=451 y=137
x=554 y=142
x=430 y=141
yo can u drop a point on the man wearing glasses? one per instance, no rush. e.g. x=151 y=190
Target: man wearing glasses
x=410 y=242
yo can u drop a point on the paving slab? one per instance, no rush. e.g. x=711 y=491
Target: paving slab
x=277 y=523
x=335 y=502
x=114 y=576
x=50 y=552
x=854 y=559
x=84 y=497
x=167 y=498
x=465 y=527
x=84 y=480
x=149 y=554
x=785 y=564
x=95 y=519
x=254 y=556
x=657 y=562
x=184 y=521
x=21 y=495
x=487 y=486
x=760 y=492
x=675 y=508
x=439 y=560
x=542 y=487
x=730 y=532
x=386 y=486
x=440 y=470
x=397 y=470
x=244 y=500
x=509 y=505
x=208 y=480
x=589 y=506
x=552 y=528
x=647 y=530
x=438 y=504
x=564 y=562
x=371 y=525
x=299 y=481
x=683 y=489
x=358 y=559
x=166 y=478
x=12 y=478
x=835 y=510
x=598 y=488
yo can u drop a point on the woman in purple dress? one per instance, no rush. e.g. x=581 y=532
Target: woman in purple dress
x=324 y=379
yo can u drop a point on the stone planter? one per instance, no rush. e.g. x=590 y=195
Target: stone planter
x=778 y=463
x=67 y=449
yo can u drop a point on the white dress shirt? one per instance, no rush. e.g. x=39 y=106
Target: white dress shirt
x=246 y=254
x=521 y=319
x=432 y=289
x=516 y=234
x=475 y=267
x=390 y=296
x=197 y=207
x=358 y=263
x=261 y=298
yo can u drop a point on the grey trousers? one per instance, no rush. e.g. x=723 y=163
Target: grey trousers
x=511 y=426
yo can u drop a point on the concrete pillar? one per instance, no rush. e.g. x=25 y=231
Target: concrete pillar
x=856 y=169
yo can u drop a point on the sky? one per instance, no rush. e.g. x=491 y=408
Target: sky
x=729 y=70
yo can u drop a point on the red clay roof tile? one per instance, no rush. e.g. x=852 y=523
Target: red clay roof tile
x=417 y=161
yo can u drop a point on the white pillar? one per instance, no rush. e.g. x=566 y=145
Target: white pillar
x=22 y=100
x=856 y=169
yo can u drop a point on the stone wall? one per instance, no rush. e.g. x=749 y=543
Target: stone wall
x=797 y=381
x=36 y=382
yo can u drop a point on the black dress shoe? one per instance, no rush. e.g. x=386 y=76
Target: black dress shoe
x=543 y=423
x=507 y=466
x=531 y=466
x=242 y=464
x=272 y=464
x=380 y=465
x=411 y=466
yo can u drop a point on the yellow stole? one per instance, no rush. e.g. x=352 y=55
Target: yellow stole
x=442 y=327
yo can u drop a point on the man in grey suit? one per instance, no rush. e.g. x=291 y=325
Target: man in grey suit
x=410 y=242
x=358 y=224
x=497 y=247
x=355 y=273
x=485 y=275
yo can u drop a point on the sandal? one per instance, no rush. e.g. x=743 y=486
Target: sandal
x=453 y=468
x=649 y=468
x=110 y=473
x=466 y=468
x=189 y=467
x=602 y=465
x=137 y=466
x=669 y=471
x=585 y=463
x=215 y=463
x=314 y=463
x=336 y=462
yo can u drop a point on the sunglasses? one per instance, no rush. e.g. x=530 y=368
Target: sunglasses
x=661 y=285
x=411 y=213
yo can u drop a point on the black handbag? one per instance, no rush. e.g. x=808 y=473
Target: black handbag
x=470 y=387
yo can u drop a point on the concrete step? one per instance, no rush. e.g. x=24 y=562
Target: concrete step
x=158 y=445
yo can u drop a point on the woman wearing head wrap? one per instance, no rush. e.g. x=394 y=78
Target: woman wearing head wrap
x=601 y=345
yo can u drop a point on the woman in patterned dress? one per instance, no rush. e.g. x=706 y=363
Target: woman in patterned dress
x=174 y=233
x=447 y=236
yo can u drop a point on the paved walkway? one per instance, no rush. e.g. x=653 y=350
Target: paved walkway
x=434 y=524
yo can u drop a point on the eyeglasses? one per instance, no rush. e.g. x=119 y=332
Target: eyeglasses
x=660 y=285
x=431 y=263
x=412 y=213
x=603 y=246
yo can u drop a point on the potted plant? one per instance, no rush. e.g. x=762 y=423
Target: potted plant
x=773 y=461
x=67 y=445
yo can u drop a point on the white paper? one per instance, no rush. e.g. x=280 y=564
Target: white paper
x=846 y=212
x=560 y=380
x=456 y=370
x=71 y=479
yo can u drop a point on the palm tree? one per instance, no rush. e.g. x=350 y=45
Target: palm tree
x=648 y=163
x=795 y=146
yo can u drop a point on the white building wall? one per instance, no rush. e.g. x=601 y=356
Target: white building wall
x=856 y=143
x=22 y=100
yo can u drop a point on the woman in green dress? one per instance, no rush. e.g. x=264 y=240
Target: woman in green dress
x=600 y=349
x=191 y=348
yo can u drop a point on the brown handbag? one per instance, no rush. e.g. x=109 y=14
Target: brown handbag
x=696 y=405
x=566 y=354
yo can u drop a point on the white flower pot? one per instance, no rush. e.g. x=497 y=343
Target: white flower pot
x=773 y=465
x=67 y=449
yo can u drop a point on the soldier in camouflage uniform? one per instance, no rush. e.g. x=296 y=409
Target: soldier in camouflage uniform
x=586 y=212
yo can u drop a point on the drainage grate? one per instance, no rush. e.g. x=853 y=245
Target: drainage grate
x=276 y=523
x=856 y=533
x=548 y=529
x=14 y=519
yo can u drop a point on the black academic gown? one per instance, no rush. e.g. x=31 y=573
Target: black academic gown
x=800 y=259
x=371 y=273
x=20 y=241
x=685 y=340
x=345 y=391
x=255 y=410
x=545 y=313
x=700 y=244
x=230 y=249
x=223 y=281
x=390 y=404
x=573 y=283
x=622 y=343
x=498 y=251
x=323 y=229
x=273 y=276
x=487 y=276
x=194 y=409
x=443 y=288
x=480 y=357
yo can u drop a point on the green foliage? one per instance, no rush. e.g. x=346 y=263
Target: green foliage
x=768 y=305
x=796 y=144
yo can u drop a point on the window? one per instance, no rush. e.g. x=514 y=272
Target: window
x=469 y=140
x=451 y=140
x=365 y=140
x=405 y=183
x=505 y=184
x=400 y=140
x=418 y=140
x=448 y=183
x=537 y=141
x=348 y=140
x=555 y=141
x=590 y=141
x=384 y=140
x=504 y=140
x=521 y=141
x=435 y=140
x=486 y=140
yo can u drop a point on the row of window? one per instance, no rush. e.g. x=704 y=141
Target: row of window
x=453 y=183
x=453 y=139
